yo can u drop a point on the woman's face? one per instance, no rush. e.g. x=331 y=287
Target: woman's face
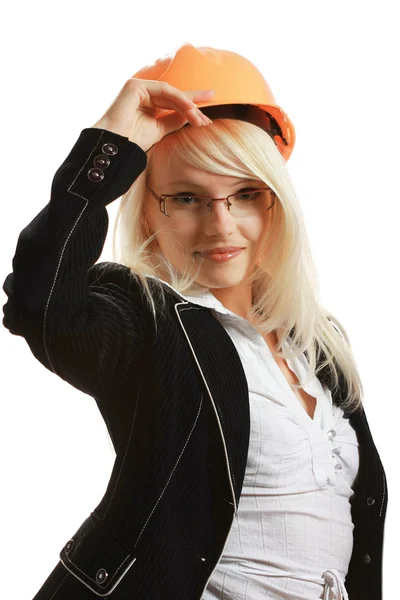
x=180 y=241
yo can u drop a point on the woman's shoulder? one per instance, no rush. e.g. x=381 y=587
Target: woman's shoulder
x=116 y=278
x=121 y=279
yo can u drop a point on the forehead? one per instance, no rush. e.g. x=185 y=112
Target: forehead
x=175 y=175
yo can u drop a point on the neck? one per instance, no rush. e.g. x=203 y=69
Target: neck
x=237 y=299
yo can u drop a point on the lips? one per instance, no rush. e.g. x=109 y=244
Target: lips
x=223 y=250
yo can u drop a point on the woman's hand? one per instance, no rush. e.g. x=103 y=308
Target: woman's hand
x=133 y=113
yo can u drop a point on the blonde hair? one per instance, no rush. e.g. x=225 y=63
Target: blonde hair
x=284 y=282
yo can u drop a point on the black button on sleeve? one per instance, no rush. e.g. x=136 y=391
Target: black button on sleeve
x=110 y=149
x=101 y=161
x=95 y=174
x=112 y=181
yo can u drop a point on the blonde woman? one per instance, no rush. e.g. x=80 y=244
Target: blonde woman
x=245 y=467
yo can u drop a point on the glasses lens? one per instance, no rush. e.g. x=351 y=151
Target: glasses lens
x=240 y=204
x=251 y=202
x=186 y=207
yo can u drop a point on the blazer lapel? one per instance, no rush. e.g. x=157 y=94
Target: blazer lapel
x=221 y=369
x=224 y=377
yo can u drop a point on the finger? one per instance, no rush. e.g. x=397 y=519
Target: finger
x=163 y=105
x=199 y=95
x=175 y=121
x=164 y=89
x=168 y=103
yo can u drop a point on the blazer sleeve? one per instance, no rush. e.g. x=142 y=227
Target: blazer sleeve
x=82 y=321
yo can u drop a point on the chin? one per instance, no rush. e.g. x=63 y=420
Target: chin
x=220 y=280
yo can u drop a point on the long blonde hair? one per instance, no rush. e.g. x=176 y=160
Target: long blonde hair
x=284 y=283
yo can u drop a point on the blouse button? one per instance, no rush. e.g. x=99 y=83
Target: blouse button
x=370 y=501
x=331 y=433
x=336 y=451
x=338 y=467
x=102 y=161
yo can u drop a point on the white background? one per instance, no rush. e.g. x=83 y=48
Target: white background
x=333 y=66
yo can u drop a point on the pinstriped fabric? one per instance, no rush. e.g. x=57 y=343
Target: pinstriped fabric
x=179 y=427
x=232 y=416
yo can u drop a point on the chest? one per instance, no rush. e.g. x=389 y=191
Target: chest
x=307 y=401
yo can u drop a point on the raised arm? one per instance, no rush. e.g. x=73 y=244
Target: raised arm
x=80 y=319
x=84 y=321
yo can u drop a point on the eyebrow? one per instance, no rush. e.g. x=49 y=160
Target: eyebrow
x=198 y=185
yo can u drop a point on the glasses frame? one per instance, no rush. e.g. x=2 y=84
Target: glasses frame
x=162 y=199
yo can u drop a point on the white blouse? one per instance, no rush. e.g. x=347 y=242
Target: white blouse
x=292 y=537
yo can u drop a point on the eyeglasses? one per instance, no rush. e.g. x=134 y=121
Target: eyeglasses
x=247 y=201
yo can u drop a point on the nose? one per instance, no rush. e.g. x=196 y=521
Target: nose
x=219 y=221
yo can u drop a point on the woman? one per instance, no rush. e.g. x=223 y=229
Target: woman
x=245 y=467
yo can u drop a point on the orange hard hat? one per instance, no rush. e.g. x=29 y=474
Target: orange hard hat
x=241 y=91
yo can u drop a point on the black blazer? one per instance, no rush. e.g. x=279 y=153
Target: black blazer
x=174 y=399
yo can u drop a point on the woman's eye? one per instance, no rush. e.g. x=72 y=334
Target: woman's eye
x=189 y=199
x=248 y=194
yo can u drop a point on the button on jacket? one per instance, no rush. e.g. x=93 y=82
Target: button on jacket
x=174 y=397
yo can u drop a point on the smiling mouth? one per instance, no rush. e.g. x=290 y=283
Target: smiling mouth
x=218 y=257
